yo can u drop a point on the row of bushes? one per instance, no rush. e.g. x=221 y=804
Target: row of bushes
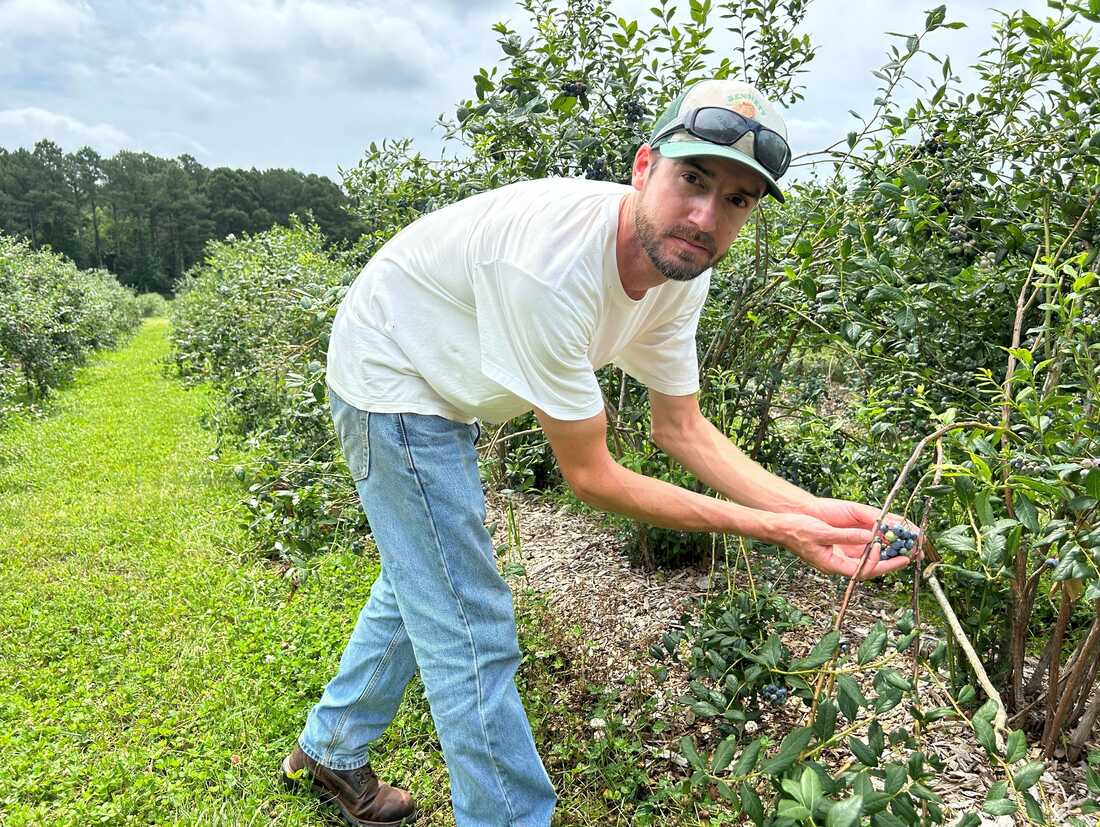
x=253 y=319
x=53 y=314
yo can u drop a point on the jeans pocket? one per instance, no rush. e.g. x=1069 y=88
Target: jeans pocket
x=353 y=431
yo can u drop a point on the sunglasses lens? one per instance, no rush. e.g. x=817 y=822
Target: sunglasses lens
x=772 y=151
x=719 y=125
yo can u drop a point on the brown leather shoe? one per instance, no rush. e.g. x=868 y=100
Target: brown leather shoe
x=364 y=801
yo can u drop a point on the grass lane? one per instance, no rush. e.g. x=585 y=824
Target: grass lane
x=151 y=671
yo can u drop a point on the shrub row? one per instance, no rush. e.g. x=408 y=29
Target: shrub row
x=253 y=318
x=53 y=314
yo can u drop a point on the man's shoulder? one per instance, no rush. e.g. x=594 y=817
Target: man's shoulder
x=546 y=192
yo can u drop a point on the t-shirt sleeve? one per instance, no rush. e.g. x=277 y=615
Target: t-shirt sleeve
x=664 y=357
x=534 y=339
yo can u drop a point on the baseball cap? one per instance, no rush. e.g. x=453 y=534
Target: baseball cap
x=735 y=95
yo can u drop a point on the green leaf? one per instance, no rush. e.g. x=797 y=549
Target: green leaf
x=821 y=653
x=723 y=755
x=725 y=791
x=983 y=730
x=983 y=507
x=987 y=711
x=1016 y=746
x=885 y=819
x=914 y=180
x=958 y=539
x=1027 y=775
x=849 y=697
x=876 y=738
x=1026 y=512
x=750 y=804
x=1034 y=809
x=895 y=679
x=896 y=776
x=1065 y=567
x=687 y=749
x=789 y=750
x=1092 y=483
x=747 y=762
x=825 y=722
x=935 y=17
x=874 y=645
x=810 y=786
x=845 y=813
x=891 y=191
x=862 y=752
x=1000 y=807
x=793 y=810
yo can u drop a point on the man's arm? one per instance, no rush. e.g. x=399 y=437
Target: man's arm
x=581 y=450
x=681 y=431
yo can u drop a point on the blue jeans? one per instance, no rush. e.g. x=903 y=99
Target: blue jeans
x=439 y=605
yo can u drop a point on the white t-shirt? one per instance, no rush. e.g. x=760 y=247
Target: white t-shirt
x=505 y=301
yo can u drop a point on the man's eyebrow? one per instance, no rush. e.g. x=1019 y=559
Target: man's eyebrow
x=693 y=163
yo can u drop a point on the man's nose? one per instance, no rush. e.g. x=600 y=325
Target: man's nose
x=704 y=214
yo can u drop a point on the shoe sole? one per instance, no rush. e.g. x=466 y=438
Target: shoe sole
x=326 y=797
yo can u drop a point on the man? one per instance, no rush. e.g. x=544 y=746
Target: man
x=503 y=303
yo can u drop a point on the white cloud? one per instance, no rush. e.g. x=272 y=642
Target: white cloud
x=24 y=127
x=306 y=43
x=43 y=18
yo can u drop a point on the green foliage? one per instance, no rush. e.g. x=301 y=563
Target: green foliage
x=735 y=647
x=51 y=316
x=254 y=319
x=734 y=651
x=152 y=305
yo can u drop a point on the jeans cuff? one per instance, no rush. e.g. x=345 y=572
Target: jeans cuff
x=352 y=764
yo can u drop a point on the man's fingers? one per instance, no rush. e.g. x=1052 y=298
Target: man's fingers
x=875 y=568
x=850 y=536
x=842 y=560
x=855 y=550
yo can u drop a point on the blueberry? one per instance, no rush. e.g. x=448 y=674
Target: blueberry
x=1051 y=562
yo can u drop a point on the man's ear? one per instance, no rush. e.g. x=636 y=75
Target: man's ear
x=645 y=159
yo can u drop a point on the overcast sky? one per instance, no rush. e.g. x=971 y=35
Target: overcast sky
x=308 y=84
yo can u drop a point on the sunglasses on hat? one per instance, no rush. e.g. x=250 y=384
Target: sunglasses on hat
x=718 y=125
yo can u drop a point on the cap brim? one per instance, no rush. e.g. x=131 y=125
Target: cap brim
x=688 y=149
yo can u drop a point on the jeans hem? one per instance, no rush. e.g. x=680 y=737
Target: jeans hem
x=335 y=765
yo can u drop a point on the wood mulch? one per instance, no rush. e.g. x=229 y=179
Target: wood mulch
x=613 y=612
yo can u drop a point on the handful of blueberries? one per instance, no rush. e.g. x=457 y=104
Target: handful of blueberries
x=901 y=541
x=775 y=694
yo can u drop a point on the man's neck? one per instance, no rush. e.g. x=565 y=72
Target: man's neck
x=636 y=271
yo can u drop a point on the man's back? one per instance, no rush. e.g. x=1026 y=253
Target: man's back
x=502 y=301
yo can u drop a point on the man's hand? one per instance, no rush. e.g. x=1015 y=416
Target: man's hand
x=847 y=514
x=832 y=549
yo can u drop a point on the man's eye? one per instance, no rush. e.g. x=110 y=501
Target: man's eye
x=691 y=178
x=738 y=201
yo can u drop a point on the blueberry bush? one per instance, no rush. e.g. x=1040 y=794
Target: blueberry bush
x=52 y=315
x=253 y=319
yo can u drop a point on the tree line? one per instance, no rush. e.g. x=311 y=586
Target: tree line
x=146 y=218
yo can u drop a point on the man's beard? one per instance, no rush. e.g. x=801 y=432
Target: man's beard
x=674 y=268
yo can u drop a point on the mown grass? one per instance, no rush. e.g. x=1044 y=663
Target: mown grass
x=152 y=670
